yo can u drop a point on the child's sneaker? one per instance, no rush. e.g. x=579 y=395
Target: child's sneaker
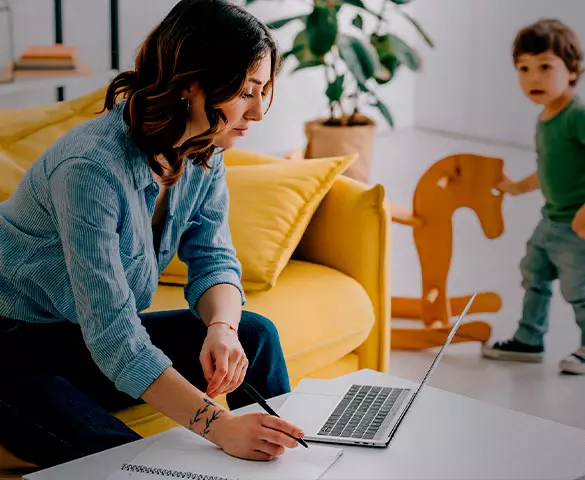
x=574 y=363
x=513 y=350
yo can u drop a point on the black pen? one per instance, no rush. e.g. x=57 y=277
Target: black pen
x=256 y=396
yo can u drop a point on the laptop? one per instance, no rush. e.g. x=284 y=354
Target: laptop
x=361 y=414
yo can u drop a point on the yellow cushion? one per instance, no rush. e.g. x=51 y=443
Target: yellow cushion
x=235 y=157
x=26 y=133
x=270 y=207
x=12 y=172
x=321 y=314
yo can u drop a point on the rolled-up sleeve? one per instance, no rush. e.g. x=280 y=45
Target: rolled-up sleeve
x=206 y=246
x=87 y=200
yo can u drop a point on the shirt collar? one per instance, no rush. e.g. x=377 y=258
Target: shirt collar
x=138 y=160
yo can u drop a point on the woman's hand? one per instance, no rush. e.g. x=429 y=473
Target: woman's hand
x=578 y=223
x=254 y=436
x=223 y=360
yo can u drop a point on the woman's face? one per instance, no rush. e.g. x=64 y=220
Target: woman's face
x=239 y=112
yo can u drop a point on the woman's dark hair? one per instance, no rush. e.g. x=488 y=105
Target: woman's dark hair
x=550 y=34
x=211 y=42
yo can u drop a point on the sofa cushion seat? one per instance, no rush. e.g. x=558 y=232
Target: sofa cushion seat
x=321 y=313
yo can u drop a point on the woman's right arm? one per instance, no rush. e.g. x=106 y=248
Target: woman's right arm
x=254 y=436
x=88 y=201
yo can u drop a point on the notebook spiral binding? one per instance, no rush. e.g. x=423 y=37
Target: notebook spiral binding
x=166 y=473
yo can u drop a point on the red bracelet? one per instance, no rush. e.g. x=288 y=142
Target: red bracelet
x=230 y=326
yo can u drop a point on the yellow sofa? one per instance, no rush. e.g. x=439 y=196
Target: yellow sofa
x=331 y=301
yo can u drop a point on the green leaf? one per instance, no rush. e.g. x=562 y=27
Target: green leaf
x=248 y=2
x=401 y=2
x=388 y=60
x=366 y=56
x=390 y=45
x=321 y=30
x=335 y=90
x=386 y=57
x=359 y=58
x=300 y=48
x=358 y=21
x=292 y=51
x=418 y=26
x=383 y=74
x=380 y=106
x=392 y=64
x=385 y=112
x=351 y=59
x=276 y=24
x=359 y=4
x=355 y=3
x=308 y=64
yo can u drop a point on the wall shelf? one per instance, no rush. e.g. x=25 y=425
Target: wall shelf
x=26 y=80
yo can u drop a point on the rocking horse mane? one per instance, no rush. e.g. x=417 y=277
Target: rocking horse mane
x=475 y=176
x=454 y=166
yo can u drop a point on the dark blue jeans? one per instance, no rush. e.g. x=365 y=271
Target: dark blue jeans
x=55 y=404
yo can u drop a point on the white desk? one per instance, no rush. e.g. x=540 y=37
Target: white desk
x=445 y=436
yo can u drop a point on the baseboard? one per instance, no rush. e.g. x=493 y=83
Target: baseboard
x=474 y=138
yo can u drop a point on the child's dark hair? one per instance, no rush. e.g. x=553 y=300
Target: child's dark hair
x=554 y=35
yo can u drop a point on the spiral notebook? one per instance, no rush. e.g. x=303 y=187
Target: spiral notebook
x=179 y=454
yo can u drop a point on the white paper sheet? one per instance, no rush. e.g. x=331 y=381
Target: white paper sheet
x=181 y=454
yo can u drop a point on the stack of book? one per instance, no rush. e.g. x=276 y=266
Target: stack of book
x=44 y=58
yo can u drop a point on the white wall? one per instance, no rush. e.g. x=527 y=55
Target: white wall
x=470 y=85
x=299 y=97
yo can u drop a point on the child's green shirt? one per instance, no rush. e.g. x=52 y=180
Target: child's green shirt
x=560 y=148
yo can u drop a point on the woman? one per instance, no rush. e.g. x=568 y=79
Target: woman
x=99 y=216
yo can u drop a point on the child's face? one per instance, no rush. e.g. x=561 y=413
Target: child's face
x=543 y=77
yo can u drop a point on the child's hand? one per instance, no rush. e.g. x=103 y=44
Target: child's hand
x=578 y=223
x=510 y=187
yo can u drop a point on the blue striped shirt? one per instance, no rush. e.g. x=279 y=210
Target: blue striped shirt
x=76 y=244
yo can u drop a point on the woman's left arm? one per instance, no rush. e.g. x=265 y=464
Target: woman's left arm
x=214 y=291
x=222 y=356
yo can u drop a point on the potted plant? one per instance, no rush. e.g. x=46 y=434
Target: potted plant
x=356 y=59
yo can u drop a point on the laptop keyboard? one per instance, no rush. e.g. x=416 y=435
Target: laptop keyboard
x=362 y=412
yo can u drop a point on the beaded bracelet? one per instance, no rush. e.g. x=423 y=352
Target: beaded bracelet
x=230 y=326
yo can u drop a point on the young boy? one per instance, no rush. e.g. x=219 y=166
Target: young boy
x=548 y=57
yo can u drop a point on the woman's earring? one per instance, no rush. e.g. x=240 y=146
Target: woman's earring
x=186 y=99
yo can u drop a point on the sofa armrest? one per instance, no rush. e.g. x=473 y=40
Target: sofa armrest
x=351 y=232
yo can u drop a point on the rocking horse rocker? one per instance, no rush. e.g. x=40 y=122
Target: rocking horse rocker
x=457 y=181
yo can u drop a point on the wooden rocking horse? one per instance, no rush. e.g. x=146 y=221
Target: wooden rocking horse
x=457 y=181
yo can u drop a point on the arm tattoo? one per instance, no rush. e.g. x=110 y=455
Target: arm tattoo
x=209 y=420
x=197 y=417
x=214 y=416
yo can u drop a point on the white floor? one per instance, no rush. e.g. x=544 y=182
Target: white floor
x=486 y=265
